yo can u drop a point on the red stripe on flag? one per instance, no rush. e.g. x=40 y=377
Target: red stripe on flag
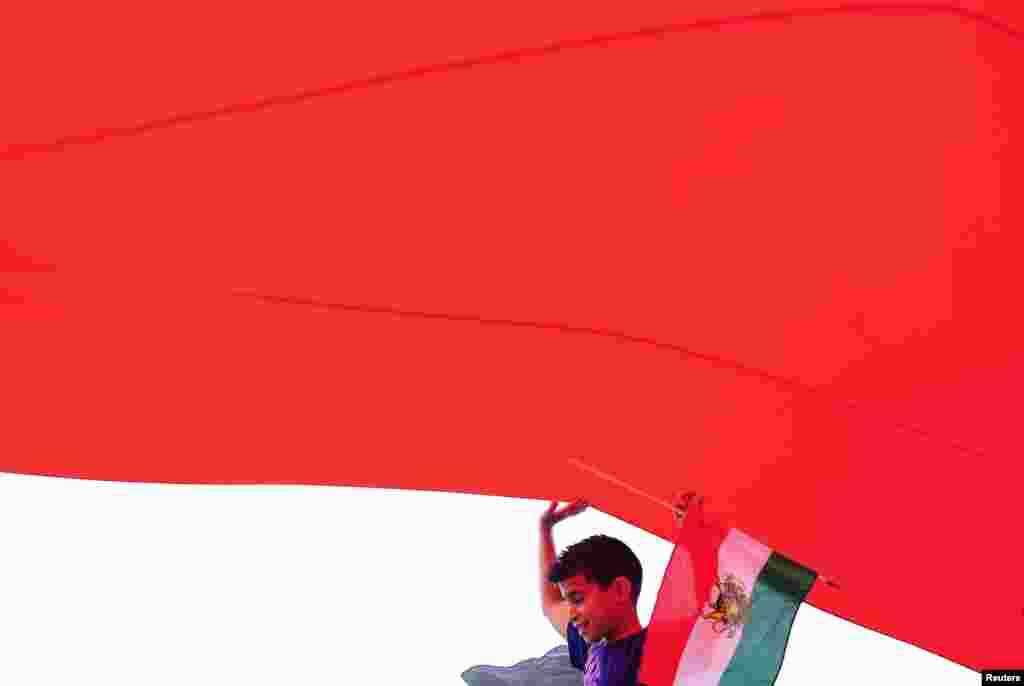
x=686 y=587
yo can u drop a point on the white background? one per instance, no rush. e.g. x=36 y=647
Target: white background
x=142 y=584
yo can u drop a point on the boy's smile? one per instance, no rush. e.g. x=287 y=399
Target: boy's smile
x=589 y=607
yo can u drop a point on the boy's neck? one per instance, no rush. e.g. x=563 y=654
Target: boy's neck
x=629 y=627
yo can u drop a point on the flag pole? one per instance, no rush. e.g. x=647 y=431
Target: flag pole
x=664 y=503
x=608 y=477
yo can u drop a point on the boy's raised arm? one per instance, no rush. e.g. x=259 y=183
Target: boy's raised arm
x=556 y=609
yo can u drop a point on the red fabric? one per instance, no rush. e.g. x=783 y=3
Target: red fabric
x=773 y=258
x=692 y=571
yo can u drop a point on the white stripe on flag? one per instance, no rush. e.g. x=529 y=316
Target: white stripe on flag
x=707 y=654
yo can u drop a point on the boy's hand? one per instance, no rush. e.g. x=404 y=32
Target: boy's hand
x=681 y=502
x=552 y=517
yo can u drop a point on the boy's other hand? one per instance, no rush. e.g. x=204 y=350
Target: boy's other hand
x=553 y=516
x=681 y=502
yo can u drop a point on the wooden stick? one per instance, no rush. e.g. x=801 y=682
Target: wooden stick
x=664 y=503
x=606 y=477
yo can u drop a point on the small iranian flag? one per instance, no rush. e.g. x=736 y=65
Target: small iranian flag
x=724 y=610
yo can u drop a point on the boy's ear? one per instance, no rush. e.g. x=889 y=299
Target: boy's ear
x=622 y=588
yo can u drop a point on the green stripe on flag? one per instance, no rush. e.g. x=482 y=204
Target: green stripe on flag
x=781 y=587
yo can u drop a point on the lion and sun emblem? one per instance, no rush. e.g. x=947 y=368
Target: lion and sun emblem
x=730 y=605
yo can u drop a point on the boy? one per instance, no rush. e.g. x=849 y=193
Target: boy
x=589 y=595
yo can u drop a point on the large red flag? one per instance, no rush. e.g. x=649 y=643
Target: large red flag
x=764 y=249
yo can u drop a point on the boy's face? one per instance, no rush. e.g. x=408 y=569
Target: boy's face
x=595 y=613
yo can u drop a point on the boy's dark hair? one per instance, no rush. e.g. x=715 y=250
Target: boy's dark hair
x=600 y=559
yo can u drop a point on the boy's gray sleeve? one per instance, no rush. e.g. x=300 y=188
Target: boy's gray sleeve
x=552 y=669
